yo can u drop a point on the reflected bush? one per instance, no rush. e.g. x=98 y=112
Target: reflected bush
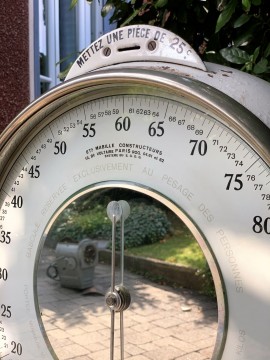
x=146 y=224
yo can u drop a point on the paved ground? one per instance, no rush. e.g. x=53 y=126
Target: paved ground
x=161 y=323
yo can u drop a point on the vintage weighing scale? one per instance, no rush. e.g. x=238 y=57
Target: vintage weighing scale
x=139 y=110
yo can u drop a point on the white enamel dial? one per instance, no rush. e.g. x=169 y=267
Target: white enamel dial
x=183 y=143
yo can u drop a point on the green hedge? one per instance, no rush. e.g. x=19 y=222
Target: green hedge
x=146 y=224
x=76 y=226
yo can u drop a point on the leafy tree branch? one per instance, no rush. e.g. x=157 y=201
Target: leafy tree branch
x=231 y=32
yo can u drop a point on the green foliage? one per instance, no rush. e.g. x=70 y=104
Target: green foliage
x=247 y=30
x=181 y=248
x=73 y=3
x=75 y=225
x=87 y=217
x=146 y=224
x=235 y=55
x=226 y=14
x=183 y=17
x=237 y=32
x=208 y=282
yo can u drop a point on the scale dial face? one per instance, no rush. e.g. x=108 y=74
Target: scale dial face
x=186 y=145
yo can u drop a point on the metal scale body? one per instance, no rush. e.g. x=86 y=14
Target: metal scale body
x=140 y=110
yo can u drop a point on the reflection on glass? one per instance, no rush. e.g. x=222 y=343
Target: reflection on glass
x=163 y=318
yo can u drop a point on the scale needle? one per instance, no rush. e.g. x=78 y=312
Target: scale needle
x=118 y=298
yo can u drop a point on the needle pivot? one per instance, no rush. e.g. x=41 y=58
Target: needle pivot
x=118 y=300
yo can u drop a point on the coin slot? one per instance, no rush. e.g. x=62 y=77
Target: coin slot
x=130 y=48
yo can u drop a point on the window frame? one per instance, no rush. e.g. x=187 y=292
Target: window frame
x=89 y=26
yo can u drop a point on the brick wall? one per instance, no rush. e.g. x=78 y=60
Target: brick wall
x=14 y=59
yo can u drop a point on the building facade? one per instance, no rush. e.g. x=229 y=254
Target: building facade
x=39 y=40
